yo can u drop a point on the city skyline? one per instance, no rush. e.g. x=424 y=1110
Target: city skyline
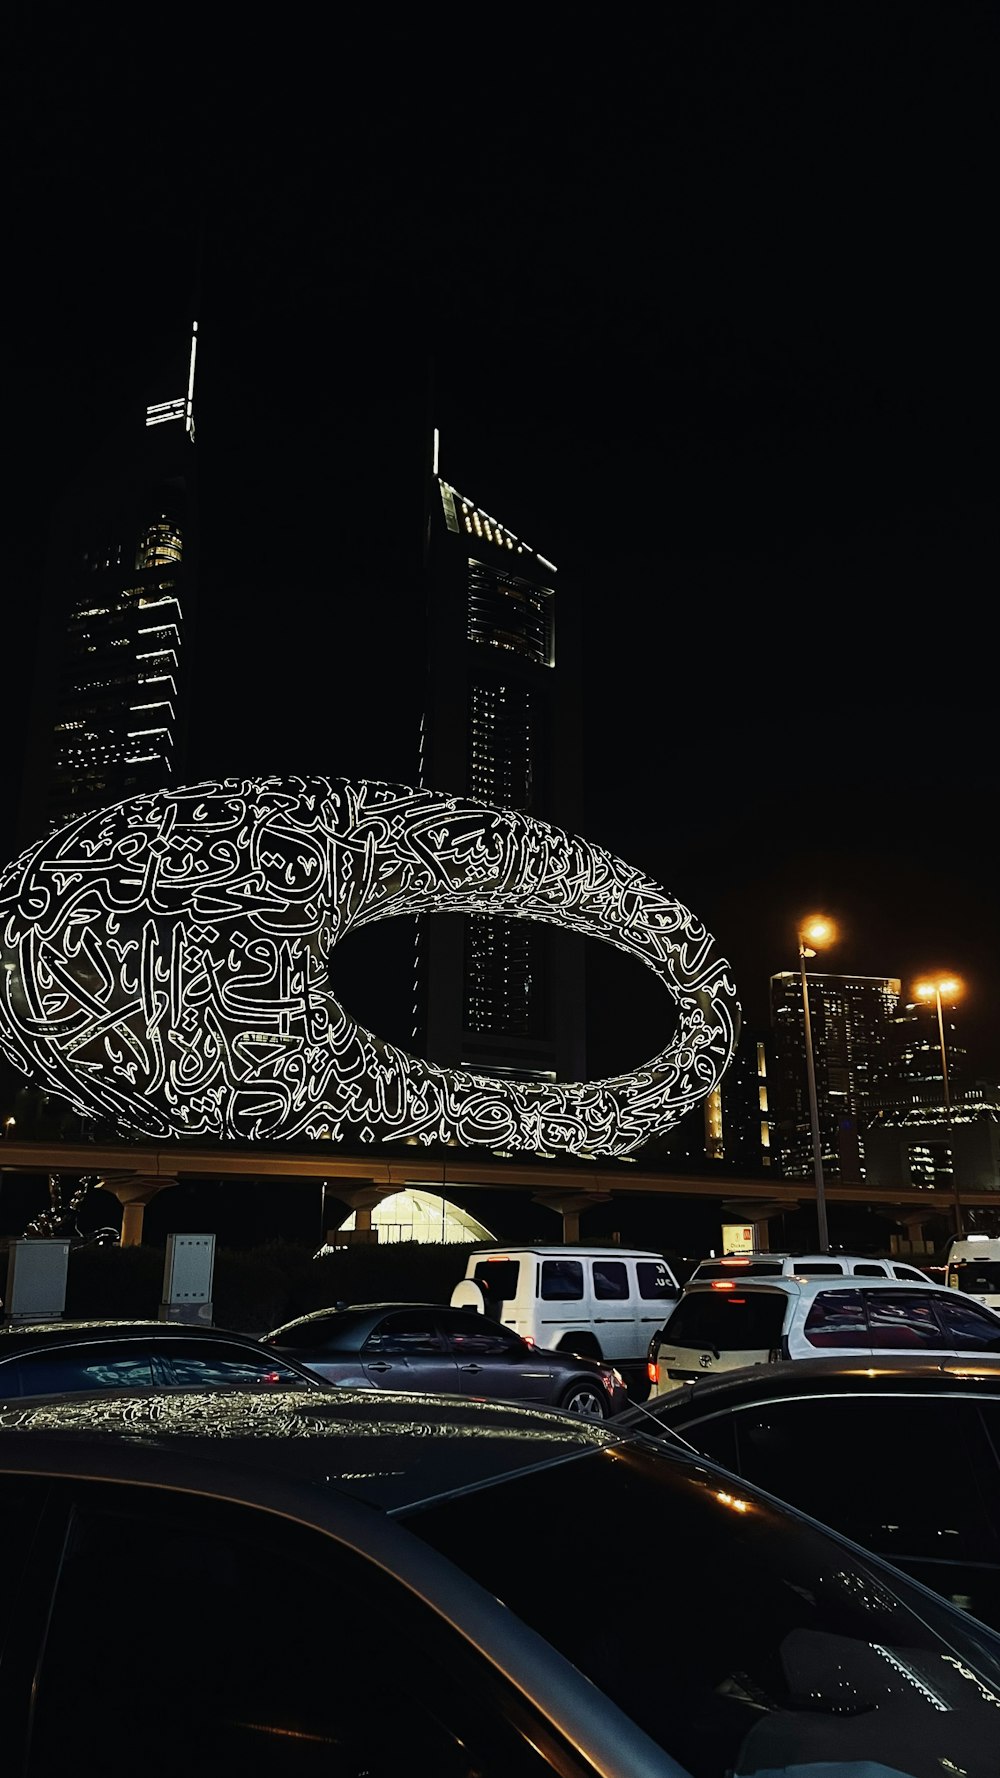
x=755 y=424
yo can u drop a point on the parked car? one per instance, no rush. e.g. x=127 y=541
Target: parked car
x=333 y=1583
x=428 y=1346
x=806 y=1265
x=723 y=1324
x=599 y=1302
x=902 y=1456
x=54 y=1357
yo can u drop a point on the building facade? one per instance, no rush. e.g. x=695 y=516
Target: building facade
x=851 y=1022
x=503 y=724
x=111 y=685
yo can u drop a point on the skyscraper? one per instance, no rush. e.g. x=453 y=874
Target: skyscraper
x=850 y=1020
x=503 y=724
x=110 y=703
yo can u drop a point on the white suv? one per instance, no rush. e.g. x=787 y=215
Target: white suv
x=724 y=1324
x=805 y=1265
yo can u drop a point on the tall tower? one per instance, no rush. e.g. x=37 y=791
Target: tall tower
x=111 y=683
x=503 y=724
x=850 y=1019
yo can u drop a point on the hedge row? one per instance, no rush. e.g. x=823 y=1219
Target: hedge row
x=258 y=1288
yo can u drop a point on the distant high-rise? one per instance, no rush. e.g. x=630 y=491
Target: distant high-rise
x=111 y=683
x=850 y=1018
x=503 y=724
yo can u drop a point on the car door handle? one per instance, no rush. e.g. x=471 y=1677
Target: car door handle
x=379 y=1364
x=471 y=1369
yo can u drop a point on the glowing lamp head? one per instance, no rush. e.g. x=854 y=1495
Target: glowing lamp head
x=817 y=930
x=948 y=986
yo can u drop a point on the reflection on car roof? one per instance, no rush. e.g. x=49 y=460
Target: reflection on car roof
x=393 y=1452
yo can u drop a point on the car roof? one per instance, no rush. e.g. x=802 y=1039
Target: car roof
x=973 y=1374
x=793 y=1285
x=392 y=1451
x=560 y=1251
x=355 y=1311
x=23 y=1336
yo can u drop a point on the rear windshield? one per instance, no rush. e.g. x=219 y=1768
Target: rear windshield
x=327 y=1331
x=498 y=1280
x=981 y=1277
x=731 y=1320
x=756 y=1268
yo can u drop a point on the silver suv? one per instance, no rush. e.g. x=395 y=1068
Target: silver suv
x=723 y=1324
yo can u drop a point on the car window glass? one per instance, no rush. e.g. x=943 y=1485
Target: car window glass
x=315 y=1333
x=837 y=1318
x=903 y=1321
x=818 y=1269
x=654 y=1280
x=908 y=1272
x=497 y=1279
x=966 y=1327
x=562 y=1280
x=218 y=1363
x=900 y=1474
x=981 y=1277
x=715 y=1436
x=475 y=1337
x=21 y=1502
x=253 y=1696
x=770 y=1617
x=50 y=1373
x=732 y=1321
x=414 y=1332
x=610 y=1280
x=866 y=1271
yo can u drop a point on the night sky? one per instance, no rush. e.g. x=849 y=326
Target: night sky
x=699 y=299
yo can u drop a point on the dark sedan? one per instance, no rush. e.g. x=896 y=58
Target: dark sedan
x=902 y=1455
x=434 y=1349
x=337 y=1584
x=55 y=1358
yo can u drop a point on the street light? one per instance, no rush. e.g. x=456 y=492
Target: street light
x=813 y=932
x=945 y=987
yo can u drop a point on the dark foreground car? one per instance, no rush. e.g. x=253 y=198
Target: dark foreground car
x=360 y=1586
x=56 y=1357
x=428 y=1346
x=901 y=1454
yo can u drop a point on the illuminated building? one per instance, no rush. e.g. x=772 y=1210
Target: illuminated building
x=502 y=723
x=111 y=684
x=851 y=1019
x=914 y=1074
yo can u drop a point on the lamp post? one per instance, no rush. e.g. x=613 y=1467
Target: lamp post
x=815 y=931
x=942 y=988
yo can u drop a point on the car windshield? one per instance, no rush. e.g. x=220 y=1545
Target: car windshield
x=729 y=1320
x=739 y=1636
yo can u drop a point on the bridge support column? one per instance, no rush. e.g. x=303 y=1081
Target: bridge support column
x=134 y=1191
x=362 y=1199
x=570 y=1207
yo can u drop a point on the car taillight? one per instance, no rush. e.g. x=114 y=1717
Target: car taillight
x=653 y=1372
x=723 y=1284
x=529 y=1339
x=271 y=1377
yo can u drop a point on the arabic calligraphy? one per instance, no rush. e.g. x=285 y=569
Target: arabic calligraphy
x=166 y=965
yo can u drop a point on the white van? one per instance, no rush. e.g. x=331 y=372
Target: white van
x=974 y=1266
x=600 y=1302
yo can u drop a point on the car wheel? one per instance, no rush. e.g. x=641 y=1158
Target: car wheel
x=587 y=1399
